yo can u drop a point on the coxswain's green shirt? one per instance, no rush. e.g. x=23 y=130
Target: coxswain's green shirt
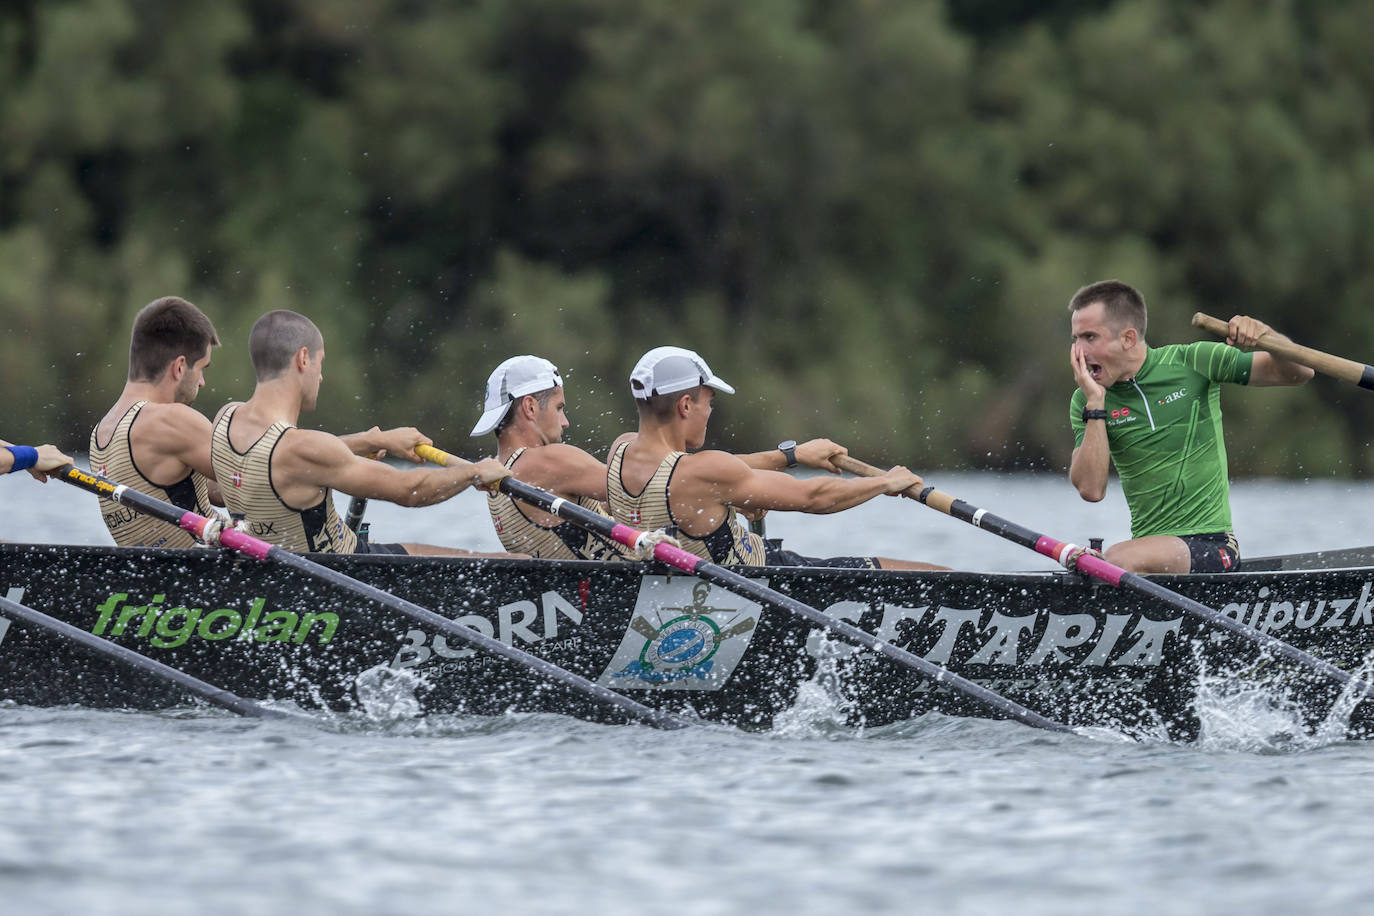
x=1164 y=434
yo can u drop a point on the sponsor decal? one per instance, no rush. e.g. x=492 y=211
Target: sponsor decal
x=1173 y=396
x=166 y=627
x=1121 y=640
x=684 y=634
x=1303 y=613
x=514 y=621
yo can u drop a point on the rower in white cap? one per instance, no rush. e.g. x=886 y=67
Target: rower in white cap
x=525 y=406
x=654 y=483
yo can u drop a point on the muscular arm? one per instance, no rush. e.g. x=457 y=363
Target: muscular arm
x=816 y=453
x=308 y=460
x=706 y=482
x=565 y=470
x=169 y=439
x=374 y=443
x=1266 y=369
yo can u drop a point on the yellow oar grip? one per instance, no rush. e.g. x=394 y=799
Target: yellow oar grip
x=432 y=454
x=933 y=498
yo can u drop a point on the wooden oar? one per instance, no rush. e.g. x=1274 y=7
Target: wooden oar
x=1336 y=366
x=192 y=685
x=246 y=544
x=1114 y=575
x=741 y=585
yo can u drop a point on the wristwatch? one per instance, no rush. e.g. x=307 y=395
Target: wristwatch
x=789 y=451
x=1093 y=414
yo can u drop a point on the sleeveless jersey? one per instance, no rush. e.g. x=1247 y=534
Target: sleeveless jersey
x=565 y=541
x=246 y=482
x=1164 y=434
x=115 y=460
x=731 y=544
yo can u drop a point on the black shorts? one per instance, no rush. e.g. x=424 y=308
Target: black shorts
x=1213 y=553
x=774 y=555
x=365 y=546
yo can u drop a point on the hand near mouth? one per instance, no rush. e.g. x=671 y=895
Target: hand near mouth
x=1083 y=375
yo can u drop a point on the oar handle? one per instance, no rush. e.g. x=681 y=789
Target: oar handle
x=1335 y=366
x=433 y=455
x=928 y=495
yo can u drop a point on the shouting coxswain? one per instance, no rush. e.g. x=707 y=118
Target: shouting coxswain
x=280 y=478
x=525 y=405
x=152 y=440
x=1155 y=412
x=654 y=483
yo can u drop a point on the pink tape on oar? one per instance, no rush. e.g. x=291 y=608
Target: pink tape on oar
x=244 y=543
x=677 y=557
x=1088 y=564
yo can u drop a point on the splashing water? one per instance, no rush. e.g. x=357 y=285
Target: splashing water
x=1237 y=712
x=387 y=694
x=822 y=706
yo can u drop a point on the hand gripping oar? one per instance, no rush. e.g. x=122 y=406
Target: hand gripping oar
x=1110 y=573
x=206 y=530
x=192 y=685
x=742 y=585
x=1336 y=366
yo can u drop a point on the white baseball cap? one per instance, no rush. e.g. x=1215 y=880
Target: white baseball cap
x=512 y=380
x=664 y=370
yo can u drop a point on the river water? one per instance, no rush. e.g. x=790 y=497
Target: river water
x=193 y=810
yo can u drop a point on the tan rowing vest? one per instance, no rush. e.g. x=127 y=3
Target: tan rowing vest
x=245 y=479
x=565 y=541
x=731 y=544
x=115 y=460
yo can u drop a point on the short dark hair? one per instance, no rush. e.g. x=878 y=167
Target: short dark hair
x=543 y=397
x=275 y=339
x=1122 y=303
x=661 y=406
x=165 y=329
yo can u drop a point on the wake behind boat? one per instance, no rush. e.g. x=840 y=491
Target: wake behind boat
x=1062 y=645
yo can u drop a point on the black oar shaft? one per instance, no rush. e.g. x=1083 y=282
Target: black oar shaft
x=1100 y=569
x=743 y=585
x=261 y=550
x=192 y=685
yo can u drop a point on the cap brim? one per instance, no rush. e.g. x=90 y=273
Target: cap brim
x=491 y=419
x=718 y=384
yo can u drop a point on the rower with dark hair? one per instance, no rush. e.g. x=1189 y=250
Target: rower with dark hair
x=152 y=439
x=525 y=406
x=37 y=461
x=280 y=478
x=654 y=483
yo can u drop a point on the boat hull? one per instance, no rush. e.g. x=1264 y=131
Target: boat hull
x=1068 y=647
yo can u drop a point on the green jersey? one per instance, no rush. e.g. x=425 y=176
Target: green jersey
x=1164 y=432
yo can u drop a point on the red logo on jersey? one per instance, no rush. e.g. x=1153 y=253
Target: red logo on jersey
x=635 y=517
x=236 y=479
x=1125 y=411
x=499 y=527
x=1225 y=559
x=1115 y=414
x=101 y=471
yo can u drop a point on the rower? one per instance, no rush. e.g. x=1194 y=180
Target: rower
x=37 y=461
x=653 y=482
x=281 y=478
x=526 y=406
x=152 y=440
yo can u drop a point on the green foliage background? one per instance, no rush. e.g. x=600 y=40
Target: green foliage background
x=868 y=215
